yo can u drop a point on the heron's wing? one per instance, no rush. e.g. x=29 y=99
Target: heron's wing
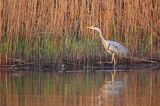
x=117 y=48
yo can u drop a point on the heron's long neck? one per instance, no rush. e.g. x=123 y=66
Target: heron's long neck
x=100 y=34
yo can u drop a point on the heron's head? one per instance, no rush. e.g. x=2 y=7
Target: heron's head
x=96 y=29
x=92 y=27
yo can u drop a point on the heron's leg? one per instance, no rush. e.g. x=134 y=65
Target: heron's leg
x=113 y=74
x=114 y=67
x=114 y=61
x=112 y=58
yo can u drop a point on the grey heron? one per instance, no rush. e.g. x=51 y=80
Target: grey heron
x=112 y=47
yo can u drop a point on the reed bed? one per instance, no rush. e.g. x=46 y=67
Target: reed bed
x=47 y=30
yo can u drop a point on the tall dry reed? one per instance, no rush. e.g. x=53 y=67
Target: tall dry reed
x=135 y=23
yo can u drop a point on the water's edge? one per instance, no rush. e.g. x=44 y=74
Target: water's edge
x=64 y=66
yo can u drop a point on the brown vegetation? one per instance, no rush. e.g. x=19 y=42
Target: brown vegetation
x=135 y=23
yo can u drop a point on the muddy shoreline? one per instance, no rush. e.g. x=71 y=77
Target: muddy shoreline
x=67 y=66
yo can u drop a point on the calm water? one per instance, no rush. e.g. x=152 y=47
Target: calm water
x=131 y=88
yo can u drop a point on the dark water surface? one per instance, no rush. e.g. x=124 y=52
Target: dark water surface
x=130 y=88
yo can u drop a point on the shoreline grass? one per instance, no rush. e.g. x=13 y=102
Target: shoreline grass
x=41 y=49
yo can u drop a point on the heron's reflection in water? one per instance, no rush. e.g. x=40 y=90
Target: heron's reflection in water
x=112 y=92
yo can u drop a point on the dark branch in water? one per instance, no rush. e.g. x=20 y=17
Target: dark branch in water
x=144 y=60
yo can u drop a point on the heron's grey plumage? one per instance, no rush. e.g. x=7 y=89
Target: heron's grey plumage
x=112 y=46
x=115 y=47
